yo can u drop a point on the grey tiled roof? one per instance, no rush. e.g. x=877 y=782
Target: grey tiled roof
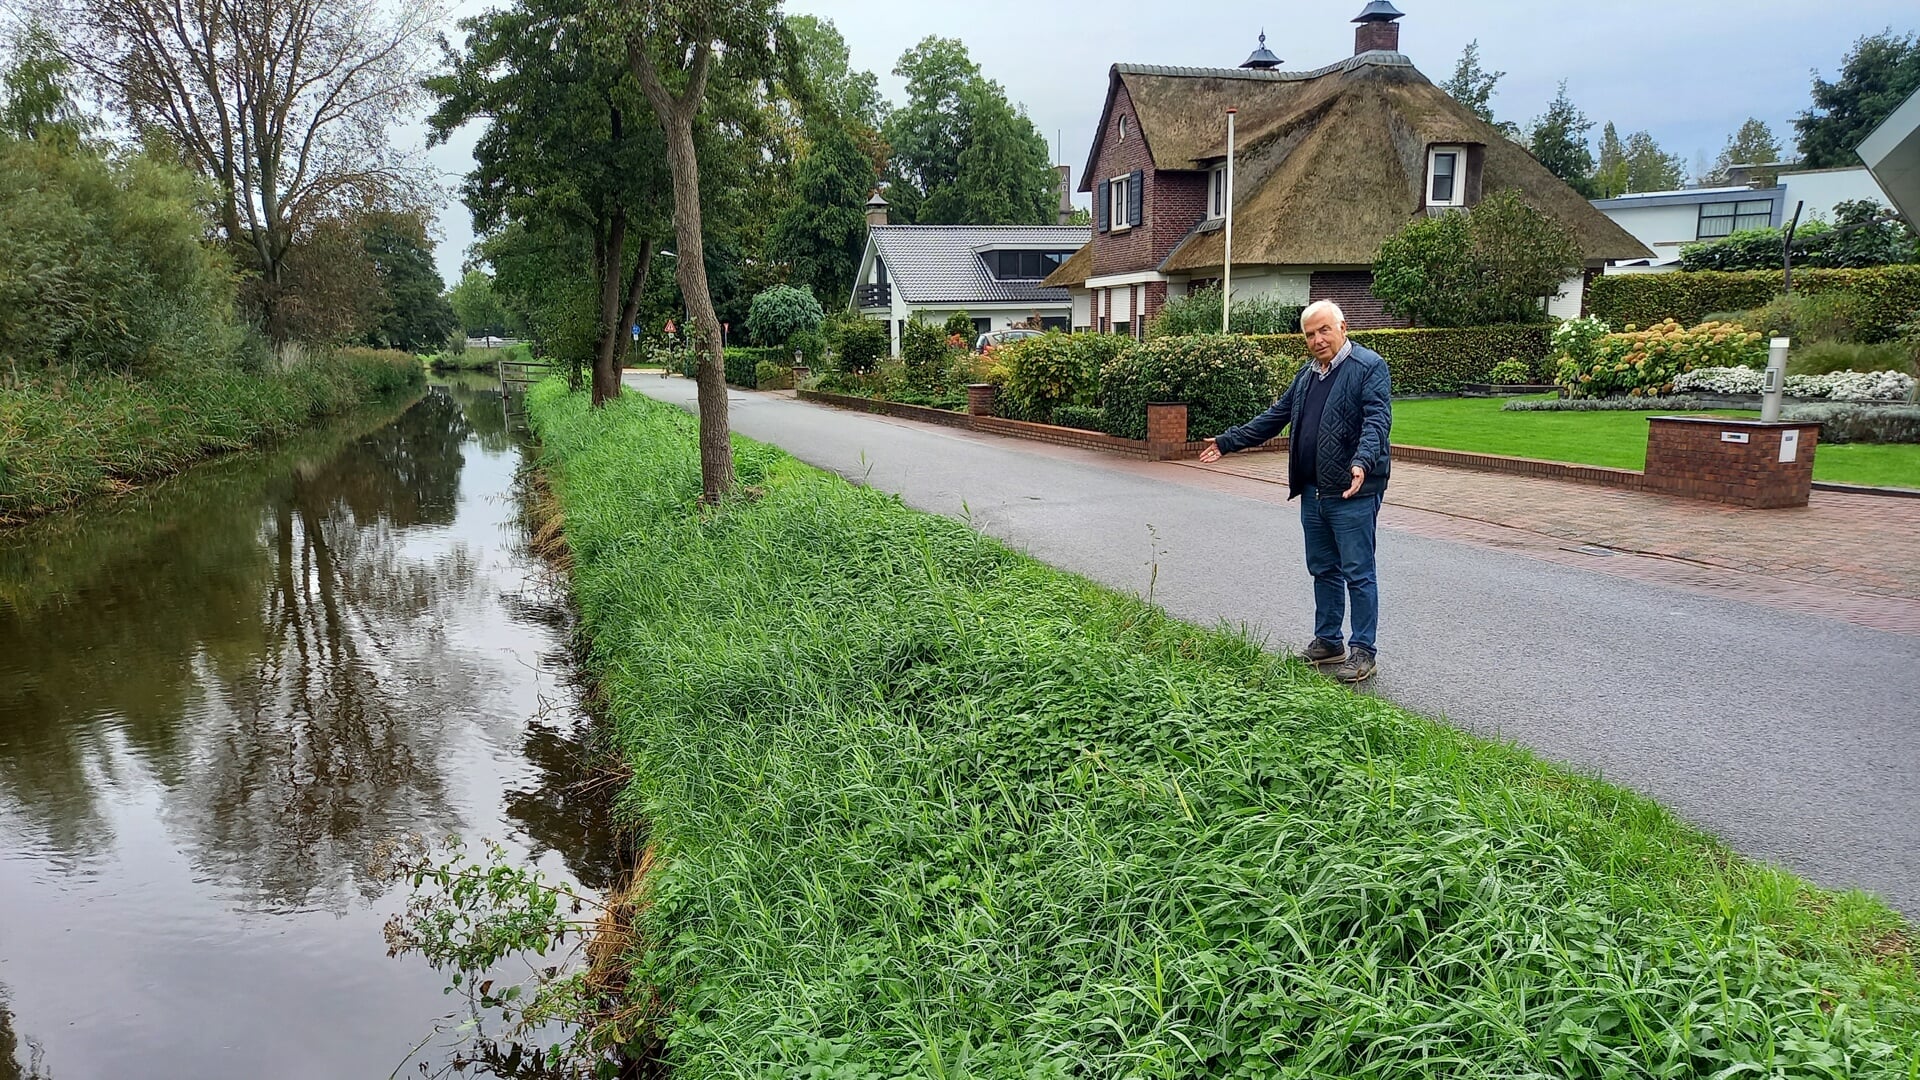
x=939 y=264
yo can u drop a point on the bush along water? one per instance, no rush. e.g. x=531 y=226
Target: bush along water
x=926 y=807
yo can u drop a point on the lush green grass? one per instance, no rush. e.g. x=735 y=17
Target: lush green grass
x=1614 y=439
x=67 y=436
x=926 y=807
x=478 y=358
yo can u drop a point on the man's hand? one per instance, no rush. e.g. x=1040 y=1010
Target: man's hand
x=1359 y=477
x=1211 y=452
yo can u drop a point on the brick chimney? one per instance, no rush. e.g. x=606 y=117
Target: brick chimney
x=876 y=211
x=1378 y=28
x=1066 y=193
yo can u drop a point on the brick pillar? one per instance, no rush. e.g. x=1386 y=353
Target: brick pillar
x=1166 y=431
x=1724 y=460
x=801 y=373
x=980 y=399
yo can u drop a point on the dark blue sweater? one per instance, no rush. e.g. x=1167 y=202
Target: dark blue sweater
x=1355 y=427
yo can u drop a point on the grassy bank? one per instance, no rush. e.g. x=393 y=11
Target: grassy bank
x=926 y=807
x=66 y=437
x=1614 y=439
x=478 y=358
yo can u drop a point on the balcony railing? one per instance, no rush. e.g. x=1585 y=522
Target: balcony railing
x=880 y=295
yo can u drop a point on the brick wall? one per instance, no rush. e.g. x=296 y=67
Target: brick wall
x=1687 y=456
x=1352 y=290
x=1171 y=203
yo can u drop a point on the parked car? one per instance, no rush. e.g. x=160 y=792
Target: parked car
x=994 y=338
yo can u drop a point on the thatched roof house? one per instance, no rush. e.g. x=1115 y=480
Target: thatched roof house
x=1327 y=164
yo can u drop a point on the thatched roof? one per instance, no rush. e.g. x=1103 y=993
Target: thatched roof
x=1329 y=163
x=1074 y=271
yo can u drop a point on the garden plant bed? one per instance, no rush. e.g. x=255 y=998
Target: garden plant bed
x=1506 y=390
x=1019 y=429
x=923 y=805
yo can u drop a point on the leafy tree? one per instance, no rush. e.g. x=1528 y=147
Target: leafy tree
x=961 y=324
x=1558 y=140
x=671 y=49
x=962 y=154
x=38 y=92
x=476 y=306
x=780 y=312
x=1650 y=168
x=1473 y=86
x=284 y=104
x=840 y=92
x=412 y=314
x=1610 y=173
x=1493 y=264
x=1753 y=144
x=568 y=147
x=821 y=235
x=1879 y=72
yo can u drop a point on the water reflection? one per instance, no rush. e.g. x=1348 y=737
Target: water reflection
x=216 y=697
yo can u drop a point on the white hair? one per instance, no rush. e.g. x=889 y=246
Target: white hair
x=1319 y=306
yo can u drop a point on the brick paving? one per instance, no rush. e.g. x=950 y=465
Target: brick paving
x=1843 y=555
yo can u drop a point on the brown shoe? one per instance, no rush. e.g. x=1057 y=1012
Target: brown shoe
x=1320 y=652
x=1358 y=667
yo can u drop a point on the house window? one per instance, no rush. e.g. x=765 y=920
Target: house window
x=1119 y=201
x=1217 y=201
x=1443 y=176
x=1726 y=218
x=1123 y=129
x=1023 y=265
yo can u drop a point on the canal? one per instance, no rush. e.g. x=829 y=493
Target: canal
x=220 y=694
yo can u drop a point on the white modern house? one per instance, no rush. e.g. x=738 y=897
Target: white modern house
x=991 y=272
x=1892 y=154
x=1666 y=221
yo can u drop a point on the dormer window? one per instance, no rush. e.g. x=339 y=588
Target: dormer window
x=1446 y=176
x=1023 y=265
x=1217 y=193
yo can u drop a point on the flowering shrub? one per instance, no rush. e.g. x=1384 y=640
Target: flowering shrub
x=1578 y=340
x=1224 y=380
x=1642 y=362
x=1838 y=386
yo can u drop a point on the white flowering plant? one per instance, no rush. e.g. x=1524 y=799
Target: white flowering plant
x=1838 y=386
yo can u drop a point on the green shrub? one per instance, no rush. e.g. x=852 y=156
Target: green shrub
x=743 y=363
x=859 y=344
x=1824 y=358
x=1862 y=423
x=1431 y=360
x=768 y=375
x=1223 y=379
x=1198 y=312
x=1084 y=417
x=1511 y=371
x=1887 y=296
x=1045 y=372
x=1807 y=318
x=781 y=311
x=960 y=325
x=1861 y=236
x=924 y=352
x=1642 y=363
x=1489 y=265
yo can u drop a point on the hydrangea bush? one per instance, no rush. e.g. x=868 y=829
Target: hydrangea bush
x=1646 y=362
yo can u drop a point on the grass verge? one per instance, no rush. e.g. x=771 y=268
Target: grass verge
x=1614 y=439
x=927 y=807
x=65 y=437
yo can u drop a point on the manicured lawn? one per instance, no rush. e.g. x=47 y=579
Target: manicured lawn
x=1614 y=439
x=920 y=805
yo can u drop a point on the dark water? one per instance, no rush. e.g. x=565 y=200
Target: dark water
x=217 y=696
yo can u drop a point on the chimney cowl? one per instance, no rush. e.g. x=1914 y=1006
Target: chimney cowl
x=1377 y=28
x=1262 y=59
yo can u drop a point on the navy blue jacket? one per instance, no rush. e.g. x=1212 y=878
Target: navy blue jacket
x=1354 y=430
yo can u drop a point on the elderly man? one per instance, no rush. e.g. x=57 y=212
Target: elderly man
x=1340 y=411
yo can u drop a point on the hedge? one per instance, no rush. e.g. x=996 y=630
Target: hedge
x=1862 y=423
x=1435 y=361
x=1224 y=380
x=743 y=363
x=1889 y=295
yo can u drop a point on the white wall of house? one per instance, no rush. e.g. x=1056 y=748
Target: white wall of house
x=1266 y=282
x=1823 y=189
x=1567 y=304
x=1665 y=229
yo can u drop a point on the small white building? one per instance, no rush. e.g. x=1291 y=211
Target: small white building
x=1667 y=221
x=991 y=272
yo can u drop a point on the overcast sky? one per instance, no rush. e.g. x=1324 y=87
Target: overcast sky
x=1687 y=71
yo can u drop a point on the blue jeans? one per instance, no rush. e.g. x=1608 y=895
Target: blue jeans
x=1340 y=538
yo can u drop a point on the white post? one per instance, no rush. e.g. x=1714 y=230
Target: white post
x=1226 y=259
x=1774 y=387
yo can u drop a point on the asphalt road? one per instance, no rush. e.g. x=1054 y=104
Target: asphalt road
x=1796 y=738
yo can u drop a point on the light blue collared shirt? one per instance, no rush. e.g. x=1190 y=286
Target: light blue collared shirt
x=1346 y=348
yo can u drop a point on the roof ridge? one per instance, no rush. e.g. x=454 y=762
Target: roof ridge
x=1378 y=57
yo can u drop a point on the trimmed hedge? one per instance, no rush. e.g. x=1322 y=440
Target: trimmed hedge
x=743 y=364
x=1889 y=295
x=1430 y=360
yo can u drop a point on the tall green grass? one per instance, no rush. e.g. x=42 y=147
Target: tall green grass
x=65 y=436
x=927 y=807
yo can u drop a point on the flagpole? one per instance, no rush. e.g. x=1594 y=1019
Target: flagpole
x=1226 y=262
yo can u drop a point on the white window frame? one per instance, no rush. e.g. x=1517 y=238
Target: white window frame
x=1217 y=193
x=1459 y=155
x=1119 y=203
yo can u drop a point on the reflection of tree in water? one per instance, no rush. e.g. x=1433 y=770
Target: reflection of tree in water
x=15 y=1065
x=279 y=666
x=479 y=398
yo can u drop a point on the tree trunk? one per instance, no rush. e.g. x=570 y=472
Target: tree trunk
x=716 y=452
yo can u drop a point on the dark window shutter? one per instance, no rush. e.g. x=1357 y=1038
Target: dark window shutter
x=1133 y=196
x=1102 y=203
